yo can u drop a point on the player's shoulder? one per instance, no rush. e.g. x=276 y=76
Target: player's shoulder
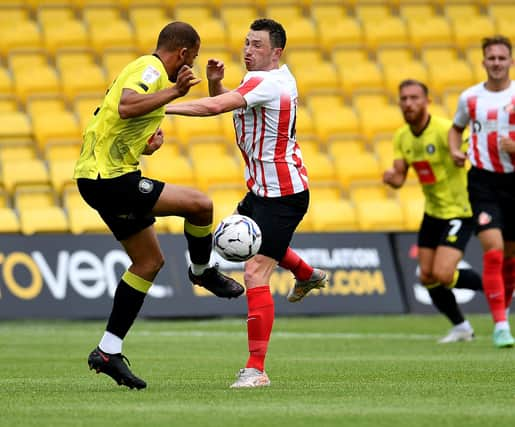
x=440 y=122
x=402 y=132
x=474 y=90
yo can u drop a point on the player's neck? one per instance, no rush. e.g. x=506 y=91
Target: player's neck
x=421 y=125
x=497 y=85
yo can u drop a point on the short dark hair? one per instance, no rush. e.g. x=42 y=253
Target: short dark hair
x=413 y=82
x=276 y=31
x=177 y=35
x=497 y=39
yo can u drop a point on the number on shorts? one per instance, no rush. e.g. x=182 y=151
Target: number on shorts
x=455 y=226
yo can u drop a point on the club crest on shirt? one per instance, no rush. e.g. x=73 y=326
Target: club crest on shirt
x=145 y=185
x=430 y=148
x=509 y=108
x=484 y=218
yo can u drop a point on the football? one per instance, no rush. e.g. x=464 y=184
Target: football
x=237 y=238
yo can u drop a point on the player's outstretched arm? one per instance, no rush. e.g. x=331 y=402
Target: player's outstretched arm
x=396 y=175
x=134 y=104
x=209 y=106
x=454 y=141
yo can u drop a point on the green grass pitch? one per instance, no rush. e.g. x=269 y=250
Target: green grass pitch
x=325 y=371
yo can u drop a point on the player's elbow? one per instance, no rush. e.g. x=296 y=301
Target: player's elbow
x=125 y=112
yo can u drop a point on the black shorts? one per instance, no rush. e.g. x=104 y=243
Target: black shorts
x=453 y=232
x=277 y=217
x=125 y=203
x=492 y=196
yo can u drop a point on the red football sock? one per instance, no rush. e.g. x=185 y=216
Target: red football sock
x=493 y=283
x=300 y=269
x=508 y=274
x=259 y=324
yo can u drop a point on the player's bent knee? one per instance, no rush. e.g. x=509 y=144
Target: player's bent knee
x=444 y=277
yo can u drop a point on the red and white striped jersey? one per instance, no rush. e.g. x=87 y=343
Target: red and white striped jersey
x=265 y=133
x=490 y=115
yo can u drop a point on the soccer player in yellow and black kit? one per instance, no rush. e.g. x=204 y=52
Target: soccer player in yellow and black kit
x=447 y=223
x=125 y=126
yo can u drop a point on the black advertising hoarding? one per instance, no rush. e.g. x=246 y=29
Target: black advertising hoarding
x=417 y=296
x=65 y=276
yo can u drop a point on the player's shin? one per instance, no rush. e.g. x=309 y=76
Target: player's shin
x=508 y=274
x=200 y=242
x=493 y=284
x=127 y=302
x=260 y=320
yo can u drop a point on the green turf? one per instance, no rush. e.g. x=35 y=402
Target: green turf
x=328 y=371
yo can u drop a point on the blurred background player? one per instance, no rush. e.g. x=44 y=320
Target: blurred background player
x=447 y=223
x=121 y=130
x=264 y=118
x=489 y=109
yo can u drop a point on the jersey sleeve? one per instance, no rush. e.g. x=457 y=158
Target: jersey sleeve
x=462 y=117
x=144 y=79
x=257 y=90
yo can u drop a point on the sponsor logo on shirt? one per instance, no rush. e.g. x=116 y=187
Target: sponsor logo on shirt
x=150 y=75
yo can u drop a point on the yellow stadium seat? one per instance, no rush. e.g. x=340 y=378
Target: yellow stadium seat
x=37 y=106
x=224 y=171
x=416 y=12
x=371 y=12
x=143 y=14
x=145 y=34
x=19 y=35
x=192 y=13
x=380 y=215
x=460 y=11
x=501 y=10
x=28 y=83
x=435 y=55
x=327 y=14
x=24 y=171
x=394 y=56
x=319 y=192
x=359 y=167
x=189 y=128
x=299 y=58
x=50 y=219
x=335 y=123
x=66 y=150
x=319 y=166
x=338 y=148
x=434 y=30
x=114 y=61
x=360 y=191
x=301 y=33
x=13 y=15
x=15 y=152
x=117 y=34
x=380 y=120
x=364 y=76
x=97 y=14
x=26 y=60
x=383 y=148
x=80 y=75
x=317 y=77
x=333 y=216
x=82 y=218
x=366 y=101
x=61 y=173
x=55 y=126
x=388 y=31
x=287 y=12
x=304 y=123
x=450 y=75
x=506 y=28
x=343 y=58
x=84 y=108
x=394 y=74
x=9 y=222
x=15 y=126
x=61 y=30
x=343 y=33
x=6 y=84
x=174 y=170
x=8 y=103
x=238 y=13
x=468 y=31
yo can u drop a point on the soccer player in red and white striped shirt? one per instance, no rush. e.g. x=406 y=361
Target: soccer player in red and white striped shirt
x=264 y=113
x=489 y=109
